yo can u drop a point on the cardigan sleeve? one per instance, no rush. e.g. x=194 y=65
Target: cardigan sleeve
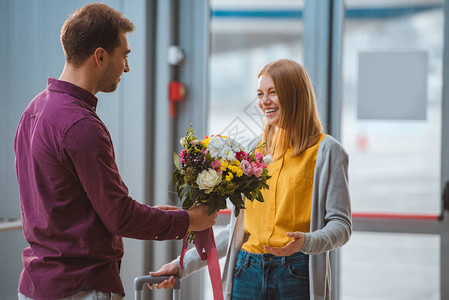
x=331 y=224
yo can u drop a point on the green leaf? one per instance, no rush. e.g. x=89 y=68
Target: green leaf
x=237 y=201
x=221 y=203
x=175 y=178
x=176 y=161
x=247 y=194
x=253 y=195
x=192 y=193
x=259 y=195
x=211 y=207
x=185 y=192
x=244 y=184
x=208 y=156
x=264 y=185
x=196 y=194
x=188 y=203
x=236 y=212
x=178 y=179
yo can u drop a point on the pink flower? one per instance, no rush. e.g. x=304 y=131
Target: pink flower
x=257 y=169
x=216 y=165
x=205 y=155
x=246 y=168
x=258 y=172
x=259 y=157
x=182 y=154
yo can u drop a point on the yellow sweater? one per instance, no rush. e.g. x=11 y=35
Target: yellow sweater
x=287 y=205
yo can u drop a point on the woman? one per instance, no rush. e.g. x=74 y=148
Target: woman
x=279 y=249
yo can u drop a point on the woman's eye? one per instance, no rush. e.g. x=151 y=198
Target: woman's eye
x=259 y=95
x=273 y=92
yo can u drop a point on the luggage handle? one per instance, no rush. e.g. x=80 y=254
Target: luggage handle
x=140 y=281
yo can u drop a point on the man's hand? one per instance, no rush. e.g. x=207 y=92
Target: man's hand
x=167 y=269
x=294 y=246
x=198 y=218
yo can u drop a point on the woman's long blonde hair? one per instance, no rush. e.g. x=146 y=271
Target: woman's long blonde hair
x=299 y=123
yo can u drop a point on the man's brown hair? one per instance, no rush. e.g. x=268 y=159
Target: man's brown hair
x=90 y=27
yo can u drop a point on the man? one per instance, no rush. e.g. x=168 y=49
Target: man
x=75 y=207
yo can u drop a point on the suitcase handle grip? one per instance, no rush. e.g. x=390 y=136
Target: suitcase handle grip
x=140 y=281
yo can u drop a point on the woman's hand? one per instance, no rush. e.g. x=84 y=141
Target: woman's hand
x=168 y=269
x=294 y=246
x=166 y=207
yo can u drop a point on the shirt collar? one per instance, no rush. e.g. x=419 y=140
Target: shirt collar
x=69 y=88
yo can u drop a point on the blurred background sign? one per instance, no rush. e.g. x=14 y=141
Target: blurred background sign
x=392 y=85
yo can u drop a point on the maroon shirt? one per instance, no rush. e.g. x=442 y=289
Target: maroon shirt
x=75 y=206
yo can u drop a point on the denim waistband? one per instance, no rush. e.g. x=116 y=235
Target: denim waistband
x=261 y=258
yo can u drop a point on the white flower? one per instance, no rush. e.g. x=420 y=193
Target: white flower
x=236 y=146
x=207 y=180
x=223 y=148
x=220 y=147
x=214 y=153
x=184 y=143
x=227 y=154
x=267 y=159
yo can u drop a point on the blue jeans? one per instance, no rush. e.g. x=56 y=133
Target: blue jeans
x=266 y=276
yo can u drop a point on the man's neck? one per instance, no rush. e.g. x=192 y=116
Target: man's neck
x=79 y=76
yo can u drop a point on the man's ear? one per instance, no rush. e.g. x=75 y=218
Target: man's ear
x=99 y=56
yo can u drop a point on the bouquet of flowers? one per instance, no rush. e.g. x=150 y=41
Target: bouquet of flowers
x=209 y=171
x=216 y=168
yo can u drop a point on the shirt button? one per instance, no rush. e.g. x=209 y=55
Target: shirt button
x=93 y=107
x=177 y=237
x=156 y=237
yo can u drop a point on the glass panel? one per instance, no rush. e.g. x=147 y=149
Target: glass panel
x=391 y=110
x=245 y=36
x=390 y=267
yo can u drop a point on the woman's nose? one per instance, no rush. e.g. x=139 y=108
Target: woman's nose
x=264 y=99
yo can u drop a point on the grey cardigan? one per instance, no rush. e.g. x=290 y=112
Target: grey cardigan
x=330 y=225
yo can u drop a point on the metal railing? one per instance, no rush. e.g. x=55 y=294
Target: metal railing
x=8 y=224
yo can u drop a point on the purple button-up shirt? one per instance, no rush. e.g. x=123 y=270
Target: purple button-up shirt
x=75 y=206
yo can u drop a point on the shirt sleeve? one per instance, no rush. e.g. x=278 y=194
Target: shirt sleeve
x=87 y=149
